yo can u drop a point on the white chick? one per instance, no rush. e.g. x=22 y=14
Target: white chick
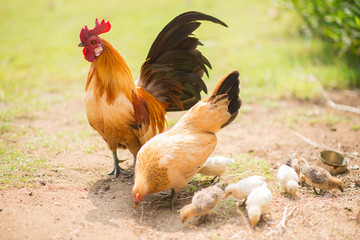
x=288 y=179
x=202 y=203
x=215 y=166
x=242 y=189
x=257 y=203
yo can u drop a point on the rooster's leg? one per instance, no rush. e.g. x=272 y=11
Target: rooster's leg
x=116 y=169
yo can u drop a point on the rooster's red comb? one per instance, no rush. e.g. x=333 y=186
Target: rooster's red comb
x=103 y=27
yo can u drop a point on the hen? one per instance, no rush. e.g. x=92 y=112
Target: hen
x=169 y=160
x=127 y=115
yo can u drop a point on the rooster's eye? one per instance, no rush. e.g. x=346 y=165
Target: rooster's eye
x=93 y=42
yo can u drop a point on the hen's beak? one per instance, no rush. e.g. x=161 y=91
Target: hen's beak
x=82 y=44
x=136 y=205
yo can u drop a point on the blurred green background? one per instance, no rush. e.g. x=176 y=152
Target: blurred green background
x=40 y=63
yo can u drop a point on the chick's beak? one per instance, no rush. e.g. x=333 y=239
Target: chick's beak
x=82 y=44
x=226 y=195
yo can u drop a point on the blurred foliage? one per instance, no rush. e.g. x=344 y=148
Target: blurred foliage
x=338 y=20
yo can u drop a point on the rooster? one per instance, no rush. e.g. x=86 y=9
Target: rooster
x=169 y=160
x=126 y=114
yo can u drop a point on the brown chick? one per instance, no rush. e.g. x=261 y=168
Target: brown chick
x=296 y=163
x=202 y=203
x=318 y=177
x=171 y=159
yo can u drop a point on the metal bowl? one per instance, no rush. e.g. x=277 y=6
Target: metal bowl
x=333 y=161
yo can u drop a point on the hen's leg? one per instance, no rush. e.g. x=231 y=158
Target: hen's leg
x=174 y=196
x=133 y=171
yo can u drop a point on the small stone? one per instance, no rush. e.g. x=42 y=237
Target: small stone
x=355 y=167
x=357 y=183
x=42 y=182
x=30 y=194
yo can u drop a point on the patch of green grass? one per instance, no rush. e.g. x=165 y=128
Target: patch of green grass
x=192 y=188
x=355 y=127
x=18 y=169
x=294 y=118
x=225 y=208
x=246 y=165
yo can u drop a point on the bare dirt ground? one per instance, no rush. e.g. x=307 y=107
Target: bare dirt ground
x=74 y=199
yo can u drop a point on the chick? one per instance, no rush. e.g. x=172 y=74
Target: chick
x=242 y=189
x=202 y=203
x=288 y=179
x=257 y=203
x=318 y=177
x=296 y=163
x=215 y=166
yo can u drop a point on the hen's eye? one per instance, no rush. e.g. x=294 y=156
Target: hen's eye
x=93 y=42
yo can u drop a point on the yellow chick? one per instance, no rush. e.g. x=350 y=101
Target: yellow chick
x=257 y=203
x=202 y=203
x=215 y=166
x=318 y=177
x=242 y=189
x=288 y=179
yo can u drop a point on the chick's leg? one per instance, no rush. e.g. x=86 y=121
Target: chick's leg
x=316 y=191
x=212 y=181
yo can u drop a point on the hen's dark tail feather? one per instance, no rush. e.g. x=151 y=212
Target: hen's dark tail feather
x=228 y=88
x=174 y=67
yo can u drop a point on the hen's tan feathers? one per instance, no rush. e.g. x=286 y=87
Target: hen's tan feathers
x=180 y=152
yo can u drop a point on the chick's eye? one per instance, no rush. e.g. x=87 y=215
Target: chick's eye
x=93 y=42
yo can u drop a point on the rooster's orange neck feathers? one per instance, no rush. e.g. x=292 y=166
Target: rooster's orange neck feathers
x=113 y=75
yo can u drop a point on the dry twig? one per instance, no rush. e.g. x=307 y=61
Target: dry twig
x=334 y=105
x=282 y=224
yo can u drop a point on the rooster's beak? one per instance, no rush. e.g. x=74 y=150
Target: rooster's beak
x=82 y=44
